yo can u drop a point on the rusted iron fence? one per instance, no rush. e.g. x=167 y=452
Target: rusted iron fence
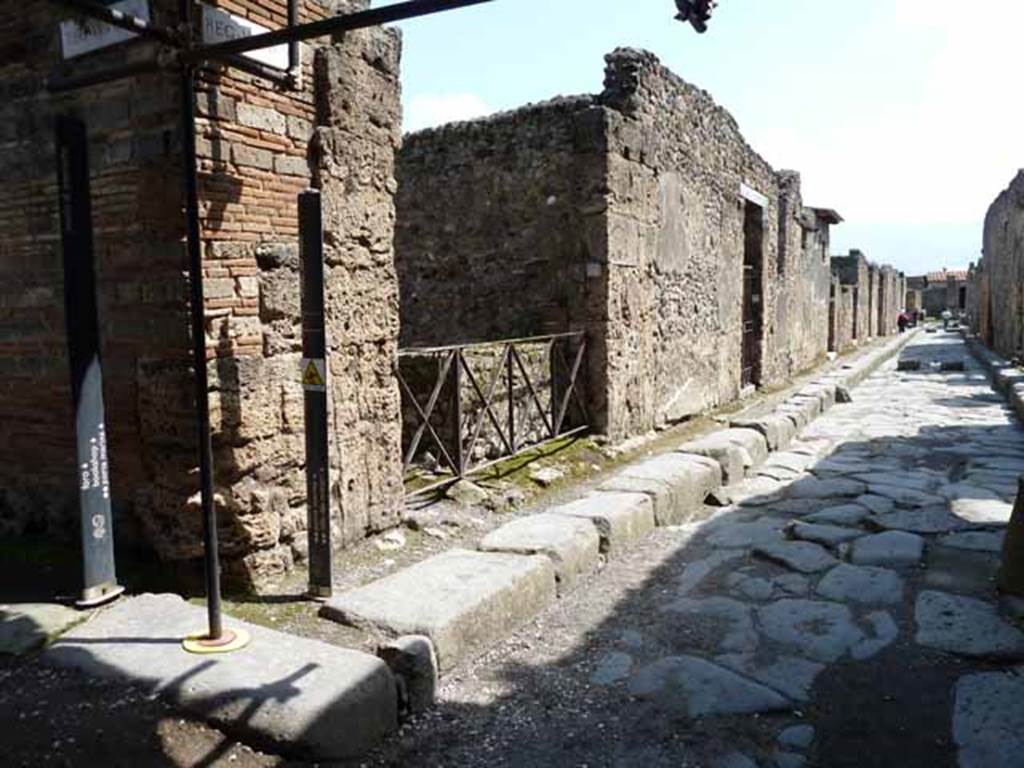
x=466 y=407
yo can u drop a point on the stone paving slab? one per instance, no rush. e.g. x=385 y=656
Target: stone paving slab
x=892 y=548
x=965 y=626
x=303 y=696
x=988 y=719
x=750 y=440
x=620 y=518
x=695 y=687
x=27 y=626
x=462 y=600
x=778 y=431
x=571 y=543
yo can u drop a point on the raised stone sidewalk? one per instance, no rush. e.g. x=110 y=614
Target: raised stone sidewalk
x=314 y=700
x=465 y=601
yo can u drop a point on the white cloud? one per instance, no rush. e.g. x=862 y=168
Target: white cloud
x=432 y=109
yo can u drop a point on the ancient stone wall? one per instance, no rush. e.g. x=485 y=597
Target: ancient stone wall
x=1003 y=263
x=844 y=312
x=257 y=150
x=495 y=225
x=135 y=149
x=853 y=271
x=622 y=215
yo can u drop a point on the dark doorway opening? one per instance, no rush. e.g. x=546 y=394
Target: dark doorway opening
x=962 y=298
x=753 y=304
x=856 y=312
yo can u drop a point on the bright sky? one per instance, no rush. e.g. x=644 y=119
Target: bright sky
x=904 y=115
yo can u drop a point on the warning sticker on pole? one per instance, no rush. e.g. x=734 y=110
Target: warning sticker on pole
x=314 y=374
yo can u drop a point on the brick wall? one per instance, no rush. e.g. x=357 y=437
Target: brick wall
x=255 y=146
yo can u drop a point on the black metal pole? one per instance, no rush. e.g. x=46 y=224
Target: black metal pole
x=99 y=577
x=314 y=384
x=195 y=270
x=359 y=20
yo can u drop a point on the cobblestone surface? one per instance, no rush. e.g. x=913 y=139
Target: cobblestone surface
x=828 y=657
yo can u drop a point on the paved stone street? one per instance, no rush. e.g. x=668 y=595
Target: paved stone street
x=842 y=612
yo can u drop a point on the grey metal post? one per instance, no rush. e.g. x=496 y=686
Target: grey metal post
x=93 y=477
x=314 y=383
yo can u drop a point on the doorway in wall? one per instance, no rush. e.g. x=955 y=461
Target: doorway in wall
x=962 y=298
x=753 y=300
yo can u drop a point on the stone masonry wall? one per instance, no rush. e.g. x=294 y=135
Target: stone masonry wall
x=620 y=215
x=255 y=144
x=134 y=159
x=1003 y=264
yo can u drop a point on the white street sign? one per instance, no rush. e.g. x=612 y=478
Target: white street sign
x=78 y=39
x=220 y=26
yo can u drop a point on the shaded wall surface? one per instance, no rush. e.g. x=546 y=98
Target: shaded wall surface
x=621 y=214
x=258 y=145
x=1000 y=277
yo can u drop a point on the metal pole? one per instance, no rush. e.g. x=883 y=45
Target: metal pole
x=359 y=20
x=195 y=270
x=314 y=384
x=99 y=576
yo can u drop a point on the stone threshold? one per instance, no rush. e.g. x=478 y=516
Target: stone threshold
x=461 y=602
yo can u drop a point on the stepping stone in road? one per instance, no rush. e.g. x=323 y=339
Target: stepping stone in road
x=861 y=584
x=965 y=626
x=892 y=548
x=802 y=556
x=988 y=719
x=924 y=520
x=695 y=687
x=827 y=535
x=819 y=630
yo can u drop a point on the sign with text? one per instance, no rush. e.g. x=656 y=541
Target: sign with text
x=77 y=39
x=220 y=26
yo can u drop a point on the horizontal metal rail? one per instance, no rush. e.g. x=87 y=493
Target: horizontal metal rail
x=453 y=424
x=359 y=20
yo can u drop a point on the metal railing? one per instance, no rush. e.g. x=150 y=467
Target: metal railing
x=525 y=391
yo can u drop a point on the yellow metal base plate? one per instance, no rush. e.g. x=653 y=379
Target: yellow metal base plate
x=231 y=640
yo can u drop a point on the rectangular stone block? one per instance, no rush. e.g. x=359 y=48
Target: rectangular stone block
x=778 y=431
x=620 y=518
x=752 y=441
x=570 y=543
x=311 y=699
x=732 y=458
x=677 y=484
x=463 y=601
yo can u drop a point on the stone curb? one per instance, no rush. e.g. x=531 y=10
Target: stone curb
x=1006 y=378
x=663 y=490
x=299 y=696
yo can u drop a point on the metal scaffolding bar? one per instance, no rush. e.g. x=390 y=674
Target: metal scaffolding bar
x=358 y=20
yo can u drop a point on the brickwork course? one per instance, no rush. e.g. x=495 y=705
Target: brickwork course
x=258 y=146
x=627 y=215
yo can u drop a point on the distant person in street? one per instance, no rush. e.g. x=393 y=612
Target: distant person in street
x=946 y=317
x=903 y=321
